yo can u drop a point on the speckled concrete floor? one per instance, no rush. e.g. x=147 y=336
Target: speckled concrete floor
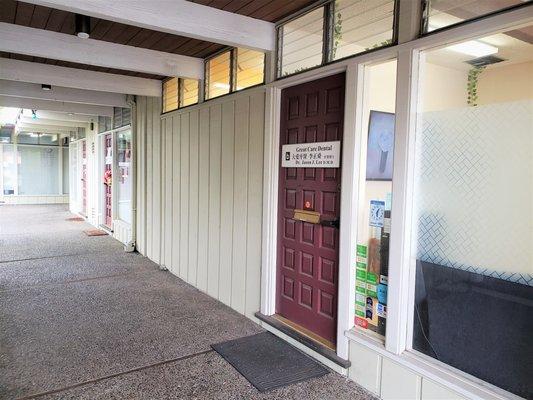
x=79 y=318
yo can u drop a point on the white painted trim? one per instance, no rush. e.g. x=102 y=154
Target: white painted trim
x=25 y=71
x=270 y=201
x=34 y=91
x=449 y=377
x=177 y=17
x=348 y=209
x=60 y=46
x=52 y=105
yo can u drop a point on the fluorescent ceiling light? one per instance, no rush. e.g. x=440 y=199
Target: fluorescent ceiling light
x=474 y=48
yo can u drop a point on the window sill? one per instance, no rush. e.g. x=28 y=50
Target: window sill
x=447 y=376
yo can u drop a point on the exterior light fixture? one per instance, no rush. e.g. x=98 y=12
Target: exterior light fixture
x=33 y=114
x=46 y=87
x=83 y=26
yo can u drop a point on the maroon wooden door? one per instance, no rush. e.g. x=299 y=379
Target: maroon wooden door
x=307 y=259
x=108 y=167
x=84 y=176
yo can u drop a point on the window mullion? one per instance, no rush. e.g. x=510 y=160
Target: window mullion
x=327 y=42
x=400 y=263
x=180 y=92
x=233 y=70
x=409 y=16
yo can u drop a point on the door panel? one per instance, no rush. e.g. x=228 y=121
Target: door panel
x=307 y=260
x=108 y=166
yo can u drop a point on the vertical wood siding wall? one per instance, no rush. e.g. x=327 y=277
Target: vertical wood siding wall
x=199 y=198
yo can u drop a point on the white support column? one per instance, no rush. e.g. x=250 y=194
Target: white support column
x=60 y=167
x=270 y=201
x=401 y=213
x=16 y=185
x=350 y=194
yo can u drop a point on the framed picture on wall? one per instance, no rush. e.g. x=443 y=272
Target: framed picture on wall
x=379 y=157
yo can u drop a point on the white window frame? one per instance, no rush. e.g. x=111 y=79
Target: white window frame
x=398 y=341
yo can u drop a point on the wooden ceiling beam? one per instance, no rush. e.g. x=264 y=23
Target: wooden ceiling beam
x=60 y=46
x=55 y=106
x=178 y=17
x=25 y=71
x=69 y=95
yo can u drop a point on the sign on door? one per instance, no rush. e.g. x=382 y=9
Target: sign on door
x=311 y=155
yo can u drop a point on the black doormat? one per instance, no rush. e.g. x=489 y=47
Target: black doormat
x=268 y=362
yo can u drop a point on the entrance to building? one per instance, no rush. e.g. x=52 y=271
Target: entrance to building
x=108 y=168
x=84 y=177
x=308 y=251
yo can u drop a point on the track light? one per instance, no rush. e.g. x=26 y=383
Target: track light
x=83 y=26
x=46 y=87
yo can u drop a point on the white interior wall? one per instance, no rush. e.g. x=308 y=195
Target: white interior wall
x=515 y=78
x=199 y=197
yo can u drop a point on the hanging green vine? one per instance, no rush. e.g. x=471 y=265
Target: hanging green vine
x=337 y=33
x=377 y=45
x=471 y=86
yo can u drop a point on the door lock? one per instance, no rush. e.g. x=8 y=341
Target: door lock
x=333 y=223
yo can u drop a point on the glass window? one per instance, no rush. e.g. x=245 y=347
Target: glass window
x=473 y=209
x=360 y=26
x=121 y=117
x=170 y=94
x=372 y=267
x=301 y=43
x=218 y=72
x=104 y=124
x=9 y=169
x=65 y=162
x=442 y=13
x=49 y=139
x=250 y=68
x=45 y=160
x=6 y=133
x=28 y=138
x=38 y=138
x=189 y=92
x=124 y=155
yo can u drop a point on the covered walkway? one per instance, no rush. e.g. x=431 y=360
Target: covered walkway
x=79 y=318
